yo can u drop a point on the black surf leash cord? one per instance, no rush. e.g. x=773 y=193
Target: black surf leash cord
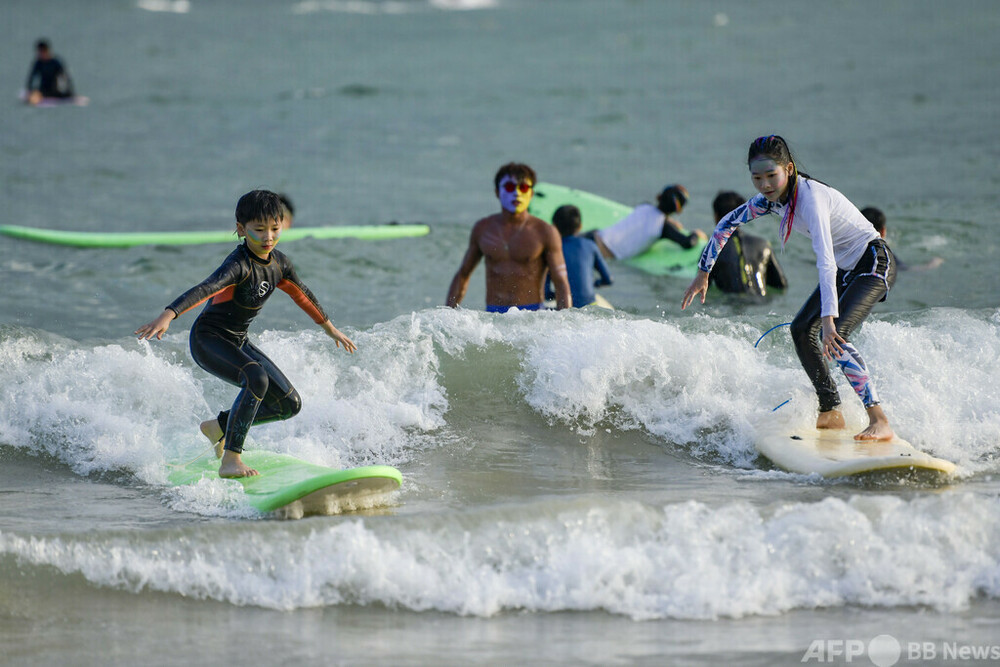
x=785 y=324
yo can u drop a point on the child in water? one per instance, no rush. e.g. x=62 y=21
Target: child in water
x=856 y=271
x=582 y=258
x=236 y=291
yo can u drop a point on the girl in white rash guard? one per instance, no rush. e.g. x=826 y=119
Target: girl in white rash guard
x=856 y=271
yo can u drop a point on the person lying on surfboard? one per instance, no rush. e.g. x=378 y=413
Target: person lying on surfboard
x=519 y=248
x=235 y=292
x=856 y=270
x=647 y=224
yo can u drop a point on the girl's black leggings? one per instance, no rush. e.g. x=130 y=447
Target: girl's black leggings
x=858 y=291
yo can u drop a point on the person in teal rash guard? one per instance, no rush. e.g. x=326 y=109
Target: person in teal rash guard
x=582 y=256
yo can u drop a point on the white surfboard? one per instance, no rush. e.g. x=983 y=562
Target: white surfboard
x=835 y=453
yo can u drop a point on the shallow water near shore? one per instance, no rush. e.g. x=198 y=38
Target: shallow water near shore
x=579 y=487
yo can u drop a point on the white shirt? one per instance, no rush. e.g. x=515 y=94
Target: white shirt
x=838 y=231
x=635 y=233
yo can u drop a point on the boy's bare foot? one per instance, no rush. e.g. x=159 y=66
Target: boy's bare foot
x=878 y=426
x=233 y=466
x=210 y=429
x=833 y=419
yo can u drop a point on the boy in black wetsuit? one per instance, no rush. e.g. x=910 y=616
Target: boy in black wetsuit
x=236 y=291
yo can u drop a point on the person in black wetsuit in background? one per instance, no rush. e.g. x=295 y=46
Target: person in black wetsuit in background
x=235 y=292
x=52 y=78
x=747 y=264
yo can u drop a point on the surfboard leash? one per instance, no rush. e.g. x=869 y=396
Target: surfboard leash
x=777 y=326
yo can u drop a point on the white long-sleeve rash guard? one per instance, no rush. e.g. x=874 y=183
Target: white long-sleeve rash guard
x=839 y=233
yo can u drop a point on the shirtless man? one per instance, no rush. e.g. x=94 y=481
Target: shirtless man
x=518 y=248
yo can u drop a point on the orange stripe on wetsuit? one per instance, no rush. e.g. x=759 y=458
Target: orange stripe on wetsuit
x=303 y=300
x=240 y=286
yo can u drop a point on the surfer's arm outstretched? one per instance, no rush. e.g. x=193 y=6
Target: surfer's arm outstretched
x=225 y=276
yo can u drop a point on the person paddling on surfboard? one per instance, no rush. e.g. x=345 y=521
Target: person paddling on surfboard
x=235 y=292
x=519 y=248
x=856 y=270
x=645 y=225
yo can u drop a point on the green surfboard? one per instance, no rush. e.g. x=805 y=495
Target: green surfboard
x=294 y=488
x=129 y=239
x=664 y=258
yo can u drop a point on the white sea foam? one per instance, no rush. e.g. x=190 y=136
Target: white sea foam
x=170 y=6
x=684 y=560
x=702 y=383
x=373 y=7
x=697 y=383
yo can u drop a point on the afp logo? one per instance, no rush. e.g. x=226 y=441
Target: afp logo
x=263 y=289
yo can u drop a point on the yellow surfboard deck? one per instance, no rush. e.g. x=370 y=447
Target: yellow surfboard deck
x=835 y=453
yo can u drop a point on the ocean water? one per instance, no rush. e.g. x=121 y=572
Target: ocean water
x=579 y=487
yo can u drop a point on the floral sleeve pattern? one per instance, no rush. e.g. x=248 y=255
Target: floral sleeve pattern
x=754 y=208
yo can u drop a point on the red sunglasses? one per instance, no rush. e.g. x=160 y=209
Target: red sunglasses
x=510 y=186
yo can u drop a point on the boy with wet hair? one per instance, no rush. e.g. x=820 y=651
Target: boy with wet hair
x=235 y=292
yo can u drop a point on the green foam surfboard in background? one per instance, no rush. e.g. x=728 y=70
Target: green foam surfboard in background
x=130 y=239
x=295 y=488
x=664 y=258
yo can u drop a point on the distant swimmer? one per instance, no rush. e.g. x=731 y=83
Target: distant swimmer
x=48 y=77
x=582 y=256
x=878 y=220
x=647 y=224
x=235 y=292
x=518 y=247
x=856 y=271
x=747 y=264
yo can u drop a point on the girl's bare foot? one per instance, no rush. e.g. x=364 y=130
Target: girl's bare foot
x=833 y=419
x=878 y=426
x=233 y=466
x=211 y=429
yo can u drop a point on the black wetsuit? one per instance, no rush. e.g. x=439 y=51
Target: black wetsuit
x=237 y=290
x=53 y=80
x=747 y=265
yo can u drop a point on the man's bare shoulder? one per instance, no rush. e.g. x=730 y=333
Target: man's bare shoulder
x=541 y=227
x=485 y=223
